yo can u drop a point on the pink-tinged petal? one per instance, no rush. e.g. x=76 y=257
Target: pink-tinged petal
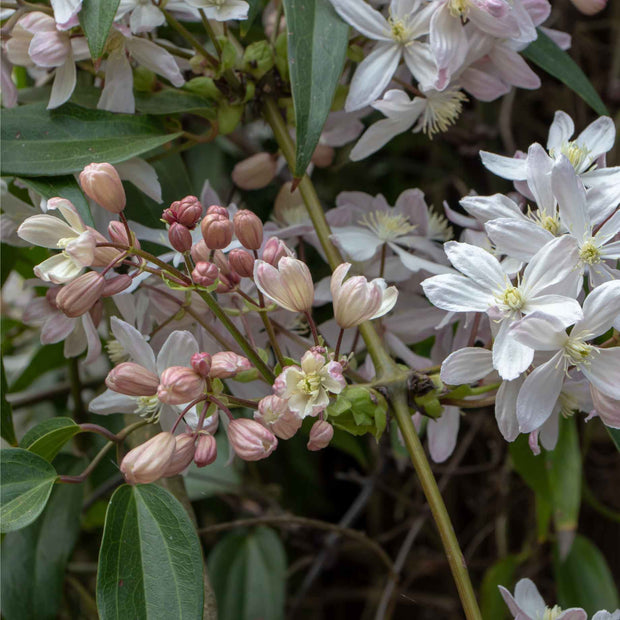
x=45 y=231
x=155 y=58
x=606 y=407
x=516 y=237
x=540 y=332
x=416 y=263
x=509 y=600
x=528 y=598
x=142 y=175
x=177 y=350
x=92 y=339
x=539 y=394
x=7 y=86
x=466 y=366
x=564 y=309
x=363 y=18
x=510 y=357
x=75 y=342
x=420 y=61
x=456 y=293
x=379 y=134
x=448 y=40
x=504 y=26
x=65 y=10
x=602 y=369
x=550 y=430
x=483 y=268
x=600 y=309
x=117 y=94
x=571 y=196
x=49 y=49
x=573 y=614
x=598 y=137
x=506 y=167
x=482 y=85
x=58 y=269
x=442 y=434
x=485 y=208
x=506 y=408
x=560 y=132
x=357 y=243
x=112 y=402
x=57 y=328
x=134 y=343
x=539 y=166
x=68 y=211
x=513 y=69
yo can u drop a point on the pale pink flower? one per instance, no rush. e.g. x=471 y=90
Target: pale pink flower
x=290 y=285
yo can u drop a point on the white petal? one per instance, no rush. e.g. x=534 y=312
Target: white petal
x=145 y=17
x=485 y=208
x=177 y=350
x=45 y=231
x=483 y=268
x=64 y=83
x=390 y=297
x=571 y=196
x=598 y=137
x=510 y=357
x=539 y=166
x=134 y=343
x=466 y=366
x=565 y=310
x=142 y=175
x=442 y=434
x=529 y=599
x=506 y=408
x=117 y=93
x=516 y=237
x=358 y=243
x=416 y=263
x=561 y=131
x=155 y=58
x=456 y=293
x=448 y=40
x=506 y=167
x=603 y=370
x=58 y=269
x=112 y=402
x=513 y=68
x=600 y=309
x=540 y=332
x=363 y=18
x=92 y=339
x=378 y=135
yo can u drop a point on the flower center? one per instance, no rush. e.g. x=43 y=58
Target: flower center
x=568 y=404
x=575 y=153
x=458 y=8
x=442 y=110
x=577 y=350
x=387 y=226
x=116 y=352
x=64 y=242
x=551 y=223
x=589 y=253
x=310 y=383
x=399 y=30
x=148 y=407
x=552 y=614
x=438 y=227
x=512 y=298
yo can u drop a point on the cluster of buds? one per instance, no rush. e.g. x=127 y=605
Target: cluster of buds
x=222 y=365
x=182 y=216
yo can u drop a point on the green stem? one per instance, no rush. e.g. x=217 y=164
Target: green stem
x=190 y=38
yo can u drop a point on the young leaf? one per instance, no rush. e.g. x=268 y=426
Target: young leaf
x=7 y=430
x=96 y=18
x=556 y=62
x=26 y=481
x=47 y=438
x=248 y=574
x=150 y=562
x=317 y=45
x=492 y=604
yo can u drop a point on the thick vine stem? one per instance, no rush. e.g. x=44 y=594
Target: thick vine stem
x=387 y=371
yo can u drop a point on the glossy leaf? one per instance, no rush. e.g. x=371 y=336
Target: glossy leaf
x=317 y=45
x=7 y=430
x=34 y=559
x=37 y=142
x=150 y=562
x=248 y=574
x=492 y=604
x=246 y=24
x=26 y=481
x=172 y=101
x=96 y=18
x=47 y=438
x=555 y=61
x=48 y=357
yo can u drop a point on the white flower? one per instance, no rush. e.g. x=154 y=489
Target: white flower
x=222 y=10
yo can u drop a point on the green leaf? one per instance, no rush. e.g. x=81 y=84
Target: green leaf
x=556 y=62
x=65 y=187
x=584 y=578
x=254 y=10
x=248 y=574
x=317 y=45
x=96 y=18
x=35 y=558
x=26 y=481
x=150 y=562
x=48 y=357
x=7 y=430
x=614 y=433
x=172 y=101
x=37 y=142
x=47 y=438
x=492 y=604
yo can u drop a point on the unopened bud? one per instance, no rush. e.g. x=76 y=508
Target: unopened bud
x=102 y=184
x=249 y=229
x=255 y=172
x=217 y=231
x=242 y=262
x=321 y=434
x=80 y=295
x=274 y=250
x=226 y=364
x=250 y=440
x=115 y=285
x=223 y=264
x=148 y=462
x=224 y=285
x=218 y=210
x=179 y=385
x=205 y=274
x=96 y=313
x=180 y=237
x=206 y=450
x=132 y=379
x=200 y=252
x=201 y=363
x=323 y=156
x=118 y=234
x=103 y=255
x=274 y=413
x=187 y=212
x=182 y=456
x=590 y=7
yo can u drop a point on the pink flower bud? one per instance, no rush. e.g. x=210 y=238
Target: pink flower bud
x=226 y=364
x=274 y=250
x=132 y=379
x=201 y=363
x=274 y=413
x=200 y=252
x=323 y=156
x=80 y=295
x=187 y=212
x=249 y=229
x=250 y=440
x=219 y=210
x=51 y=295
x=290 y=285
x=590 y=7
x=149 y=461
x=221 y=260
x=96 y=313
x=182 y=456
x=242 y=262
x=180 y=237
x=115 y=285
x=205 y=274
x=321 y=434
x=211 y=424
x=279 y=385
x=206 y=450
x=102 y=184
x=118 y=234
x=224 y=285
x=255 y=172
x=217 y=231
x=179 y=385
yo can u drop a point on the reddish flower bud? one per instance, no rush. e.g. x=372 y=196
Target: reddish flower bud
x=115 y=285
x=249 y=229
x=51 y=295
x=180 y=237
x=255 y=172
x=323 y=156
x=219 y=210
x=103 y=256
x=79 y=296
x=200 y=252
x=274 y=413
x=205 y=274
x=321 y=434
x=226 y=364
x=118 y=234
x=187 y=212
x=182 y=456
x=274 y=250
x=242 y=262
x=132 y=379
x=217 y=231
x=148 y=462
x=201 y=363
x=102 y=184
x=179 y=385
x=221 y=260
x=250 y=440
x=206 y=450
x=96 y=313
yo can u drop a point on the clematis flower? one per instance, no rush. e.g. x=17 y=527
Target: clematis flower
x=290 y=285
x=145 y=16
x=222 y=10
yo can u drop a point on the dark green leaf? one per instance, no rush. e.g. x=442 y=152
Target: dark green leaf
x=47 y=438
x=549 y=57
x=171 y=101
x=7 y=430
x=614 y=433
x=65 y=187
x=36 y=141
x=245 y=25
x=26 y=481
x=248 y=574
x=150 y=562
x=317 y=45
x=96 y=18
x=48 y=357
x=584 y=578
x=34 y=559
x=492 y=604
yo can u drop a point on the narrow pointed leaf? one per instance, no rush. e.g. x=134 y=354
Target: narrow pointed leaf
x=614 y=433
x=96 y=18
x=47 y=438
x=7 y=430
x=246 y=24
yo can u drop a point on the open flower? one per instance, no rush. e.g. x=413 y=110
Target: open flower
x=290 y=285
x=222 y=10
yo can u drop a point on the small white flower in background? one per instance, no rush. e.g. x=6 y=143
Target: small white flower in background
x=145 y=15
x=65 y=12
x=222 y=10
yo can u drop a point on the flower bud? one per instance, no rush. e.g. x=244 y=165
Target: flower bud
x=102 y=184
x=323 y=156
x=132 y=379
x=217 y=231
x=249 y=229
x=148 y=462
x=118 y=234
x=274 y=250
x=221 y=260
x=290 y=285
x=180 y=237
x=226 y=364
x=51 y=294
x=206 y=450
x=96 y=313
x=200 y=252
x=321 y=434
x=255 y=172
x=590 y=7
x=211 y=423
x=250 y=440
x=274 y=413
x=205 y=274
x=182 y=456
x=80 y=295
x=218 y=210
x=115 y=285
x=242 y=262
x=224 y=285
x=179 y=385
x=201 y=363
x=187 y=212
